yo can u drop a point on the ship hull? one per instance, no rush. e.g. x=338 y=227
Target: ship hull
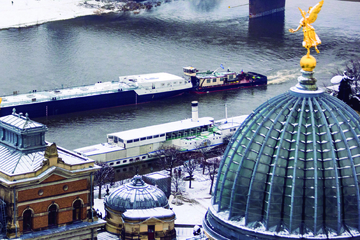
x=259 y=8
x=85 y=103
x=260 y=81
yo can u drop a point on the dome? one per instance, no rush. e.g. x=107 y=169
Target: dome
x=291 y=171
x=136 y=195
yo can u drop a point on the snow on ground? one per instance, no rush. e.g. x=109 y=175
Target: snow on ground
x=23 y=13
x=192 y=206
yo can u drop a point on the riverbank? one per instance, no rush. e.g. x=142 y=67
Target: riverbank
x=27 y=13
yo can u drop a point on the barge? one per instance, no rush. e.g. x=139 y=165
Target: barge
x=218 y=80
x=127 y=147
x=127 y=90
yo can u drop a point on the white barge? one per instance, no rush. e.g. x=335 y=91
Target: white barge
x=126 y=147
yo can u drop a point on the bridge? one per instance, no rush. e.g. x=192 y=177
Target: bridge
x=259 y=8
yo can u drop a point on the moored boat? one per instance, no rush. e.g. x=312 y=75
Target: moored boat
x=127 y=90
x=142 y=144
x=217 y=80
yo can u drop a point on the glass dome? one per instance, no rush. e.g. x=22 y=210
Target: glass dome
x=290 y=171
x=136 y=195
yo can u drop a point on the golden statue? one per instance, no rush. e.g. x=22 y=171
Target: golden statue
x=311 y=39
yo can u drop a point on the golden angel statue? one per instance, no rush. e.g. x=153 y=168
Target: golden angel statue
x=311 y=39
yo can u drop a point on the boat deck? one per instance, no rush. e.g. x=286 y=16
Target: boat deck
x=66 y=93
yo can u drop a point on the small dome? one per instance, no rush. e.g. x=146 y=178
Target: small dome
x=290 y=171
x=136 y=195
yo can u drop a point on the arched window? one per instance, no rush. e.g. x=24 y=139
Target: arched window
x=52 y=217
x=77 y=210
x=27 y=221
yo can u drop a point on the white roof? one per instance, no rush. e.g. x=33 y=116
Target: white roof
x=154 y=77
x=162 y=128
x=144 y=214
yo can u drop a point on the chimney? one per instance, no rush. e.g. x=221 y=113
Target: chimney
x=194 y=110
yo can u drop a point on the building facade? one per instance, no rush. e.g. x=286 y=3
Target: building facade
x=47 y=191
x=139 y=211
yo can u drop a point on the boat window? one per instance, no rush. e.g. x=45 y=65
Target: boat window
x=156 y=136
x=208 y=81
x=115 y=139
x=143 y=138
x=180 y=82
x=149 y=137
x=162 y=135
x=124 y=161
x=129 y=141
x=111 y=164
x=131 y=160
x=120 y=140
x=175 y=82
x=118 y=162
x=110 y=137
x=231 y=76
x=136 y=140
x=221 y=79
x=214 y=80
x=143 y=157
x=137 y=159
x=163 y=84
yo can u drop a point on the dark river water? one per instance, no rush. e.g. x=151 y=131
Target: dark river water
x=200 y=33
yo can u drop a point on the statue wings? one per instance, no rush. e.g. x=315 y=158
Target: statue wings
x=313 y=12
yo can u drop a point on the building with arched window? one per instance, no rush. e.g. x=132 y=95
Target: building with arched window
x=44 y=187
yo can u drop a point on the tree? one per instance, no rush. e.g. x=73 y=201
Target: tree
x=169 y=157
x=212 y=166
x=349 y=87
x=177 y=181
x=104 y=175
x=190 y=167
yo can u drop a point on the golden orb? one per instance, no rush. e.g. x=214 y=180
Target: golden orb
x=308 y=63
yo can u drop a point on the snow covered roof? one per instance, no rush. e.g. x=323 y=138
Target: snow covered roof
x=144 y=214
x=136 y=195
x=162 y=128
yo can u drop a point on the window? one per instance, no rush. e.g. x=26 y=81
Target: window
x=27 y=221
x=143 y=157
x=124 y=161
x=214 y=80
x=118 y=162
x=77 y=210
x=52 y=216
x=111 y=164
x=221 y=79
x=156 y=136
x=149 y=137
x=208 y=81
x=131 y=160
x=136 y=140
x=129 y=141
x=143 y=138
x=115 y=139
x=162 y=135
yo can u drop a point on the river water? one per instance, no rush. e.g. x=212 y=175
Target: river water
x=200 y=33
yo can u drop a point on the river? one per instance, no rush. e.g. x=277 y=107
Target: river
x=200 y=33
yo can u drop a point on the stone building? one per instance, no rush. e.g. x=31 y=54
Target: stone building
x=139 y=211
x=46 y=191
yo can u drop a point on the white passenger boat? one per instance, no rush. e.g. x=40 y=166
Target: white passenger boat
x=140 y=144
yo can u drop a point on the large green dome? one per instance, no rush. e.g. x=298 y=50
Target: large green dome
x=290 y=171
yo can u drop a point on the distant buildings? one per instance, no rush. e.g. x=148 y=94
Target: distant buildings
x=46 y=191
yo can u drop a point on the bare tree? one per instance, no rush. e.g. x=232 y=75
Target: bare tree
x=190 y=167
x=104 y=175
x=169 y=157
x=177 y=181
x=212 y=166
